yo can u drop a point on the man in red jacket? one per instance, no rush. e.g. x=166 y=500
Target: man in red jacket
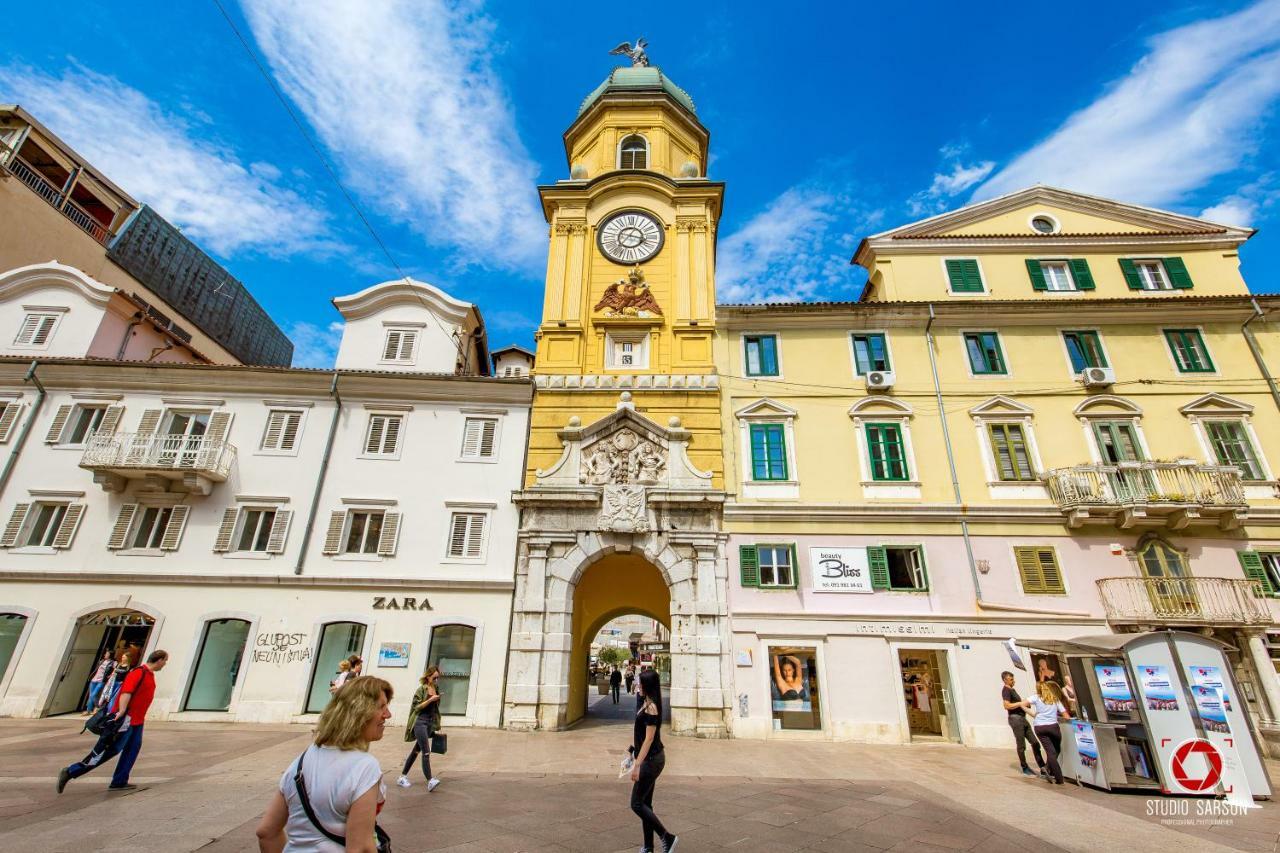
x=129 y=714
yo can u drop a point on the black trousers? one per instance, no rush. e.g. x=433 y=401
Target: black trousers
x=1051 y=739
x=613 y=688
x=421 y=744
x=1021 y=734
x=642 y=798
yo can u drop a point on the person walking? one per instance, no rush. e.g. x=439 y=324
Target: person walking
x=424 y=723
x=347 y=670
x=649 y=758
x=100 y=675
x=1022 y=731
x=123 y=734
x=329 y=797
x=615 y=682
x=1048 y=707
x=629 y=676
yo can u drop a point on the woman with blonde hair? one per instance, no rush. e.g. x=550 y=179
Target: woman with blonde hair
x=329 y=798
x=1049 y=707
x=424 y=723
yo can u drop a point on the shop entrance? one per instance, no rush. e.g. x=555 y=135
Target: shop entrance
x=925 y=690
x=338 y=640
x=616 y=586
x=120 y=631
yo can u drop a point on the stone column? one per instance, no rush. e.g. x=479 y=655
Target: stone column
x=1265 y=672
x=524 y=670
x=712 y=634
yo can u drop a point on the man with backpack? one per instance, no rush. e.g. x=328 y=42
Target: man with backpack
x=122 y=731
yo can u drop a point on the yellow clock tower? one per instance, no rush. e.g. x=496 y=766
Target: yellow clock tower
x=630 y=292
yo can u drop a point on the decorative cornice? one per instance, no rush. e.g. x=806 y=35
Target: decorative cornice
x=738 y=511
x=688 y=223
x=564 y=229
x=134 y=579
x=639 y=382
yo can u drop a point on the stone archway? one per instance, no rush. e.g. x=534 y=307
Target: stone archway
x=623 y=490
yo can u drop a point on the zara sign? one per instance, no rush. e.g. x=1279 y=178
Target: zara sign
x=840 y=569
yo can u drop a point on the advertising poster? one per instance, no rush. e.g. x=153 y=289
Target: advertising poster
x=789 y=686
x=1157 y=689
x=1086 y=745
x=1210 y=677
x=1209 y=706
x=840 y=570
x=393 y=654
x=1117 y=698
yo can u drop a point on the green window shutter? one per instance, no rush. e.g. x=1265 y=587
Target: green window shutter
x=795 y=568
x=749 y=565
x=1029 y=570
x=924 y=569
x=1251 y=563
x=1080 y=273
x=964 y=276
x=1037 y=275
x=1131 y=276
x=878 y=562
x=1179 y=278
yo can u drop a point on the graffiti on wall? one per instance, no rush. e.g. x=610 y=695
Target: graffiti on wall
x=281 y=649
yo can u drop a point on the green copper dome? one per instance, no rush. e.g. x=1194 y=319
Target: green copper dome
x=638 y=79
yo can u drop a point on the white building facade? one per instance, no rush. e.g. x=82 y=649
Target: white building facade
x=262 y=524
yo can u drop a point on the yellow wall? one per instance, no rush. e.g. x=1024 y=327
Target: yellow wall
x=1018 y=221
x=672 y=143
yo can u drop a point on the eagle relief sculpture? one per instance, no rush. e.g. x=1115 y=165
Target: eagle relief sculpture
x=629 y=297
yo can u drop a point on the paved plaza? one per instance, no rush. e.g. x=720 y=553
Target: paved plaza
x=202 y=787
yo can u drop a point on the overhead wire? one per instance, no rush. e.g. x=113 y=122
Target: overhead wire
x=333 y=175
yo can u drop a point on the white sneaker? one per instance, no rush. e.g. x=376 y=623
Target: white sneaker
x=432 y=785
x=403 y=782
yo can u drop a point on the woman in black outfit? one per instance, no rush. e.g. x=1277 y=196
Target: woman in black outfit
x=650 y=758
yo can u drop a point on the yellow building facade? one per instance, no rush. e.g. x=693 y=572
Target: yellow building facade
x=1048 y=415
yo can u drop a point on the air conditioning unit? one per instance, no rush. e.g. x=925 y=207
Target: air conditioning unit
x=1097 y=377
x=880 y=380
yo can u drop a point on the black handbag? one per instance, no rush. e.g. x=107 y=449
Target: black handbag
x=439 y=743
x=384 y=840
x=99 y=722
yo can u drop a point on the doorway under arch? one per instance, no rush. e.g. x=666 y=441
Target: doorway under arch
x=119 y=630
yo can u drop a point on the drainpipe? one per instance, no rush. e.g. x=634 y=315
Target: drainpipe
x=324 y=469
x=1257 y=351
x=128 y=330
x=951 y=458
x=26 y=427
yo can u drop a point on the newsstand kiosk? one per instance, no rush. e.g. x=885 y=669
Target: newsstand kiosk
x=1157 y=711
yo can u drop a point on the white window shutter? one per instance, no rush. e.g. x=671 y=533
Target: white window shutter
x=390 y=534
x=59 y=422
x=67 y=529
x=173 y=530
x=275 y=427
x=279 y=531
x=487 y=436
x=471 y=438
x=373 y=440
x=407 y=340
x=44 y=330
x=289 y=435
x=120 y=532
x=227 y=529
x=458 y=535
x=110 y=420
x=219 y=426
x=150 y=421
x=475 y=534
x=391 y=351
x=333 y=537
x=391 y=443
x=11 y=530
x=8 y=418
x=27 y=332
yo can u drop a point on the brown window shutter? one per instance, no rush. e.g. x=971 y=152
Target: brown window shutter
x=289 y=434
x=120 y=532
x=279 y=531
x=59 y=422
x=391 y=444
x=11 y=530
x=333 y=537
x=458 y=535
x=173 y=530
x=67 y=529
x=390 y=535
x=227 y=529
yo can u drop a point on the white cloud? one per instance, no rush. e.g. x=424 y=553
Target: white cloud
x=163 y=159
x=947 y=185
x=315 y=346
x=787 y=253
x=405 y=96
x=1187 y=112
x=1232 y=210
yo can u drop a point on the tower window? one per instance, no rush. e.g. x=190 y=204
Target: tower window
x=633 y=153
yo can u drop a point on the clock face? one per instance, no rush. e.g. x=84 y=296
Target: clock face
x=630 y=237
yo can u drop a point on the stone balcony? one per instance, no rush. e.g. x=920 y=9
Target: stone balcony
x=166 y=462
x=1169 y=602
x=1149 y=494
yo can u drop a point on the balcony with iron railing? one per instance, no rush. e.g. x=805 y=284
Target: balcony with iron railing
x=40 y=185
x=1162 y=602
x=1149 y=494
x=195 y=462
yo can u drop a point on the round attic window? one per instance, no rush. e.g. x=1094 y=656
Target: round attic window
x=1044 y=224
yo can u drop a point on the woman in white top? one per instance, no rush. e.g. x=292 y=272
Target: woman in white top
x=1048 y=706
x=343 y=782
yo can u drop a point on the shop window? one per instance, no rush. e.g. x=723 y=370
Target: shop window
x=11 y=626
x=793 y=687
x=897 y=567
x=217 y=665
x=453 y=650
x=338 y=640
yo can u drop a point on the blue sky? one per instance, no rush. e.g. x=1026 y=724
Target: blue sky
x=827 y=124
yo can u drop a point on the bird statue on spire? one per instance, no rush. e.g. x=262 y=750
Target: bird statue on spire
x=639 y=59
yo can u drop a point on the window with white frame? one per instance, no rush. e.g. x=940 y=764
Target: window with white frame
x=37 y=329
x=42 y=524
x=1232 y=445
x=149 y=527
x=400 y=346
x=148 y=530
x=282 y=430
x=777 y=565
x=382 y=437
x=1152 y=275
x=363 y=531
x=627 y=351
x=1057 y=276
x=253 y=530
x=466 y=535
x=479 y=438
x=73 y=424
x=45 y=519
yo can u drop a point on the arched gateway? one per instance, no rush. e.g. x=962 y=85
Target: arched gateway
x=619 y=517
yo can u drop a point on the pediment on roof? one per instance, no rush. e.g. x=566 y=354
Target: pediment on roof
x=1216 y=404
x=1076 y=214
x=1001 y=405
x=765 y=408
